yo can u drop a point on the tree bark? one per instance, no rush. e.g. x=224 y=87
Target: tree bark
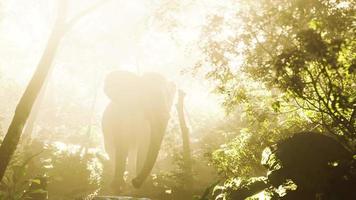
x=30 y=124
x=185 y=136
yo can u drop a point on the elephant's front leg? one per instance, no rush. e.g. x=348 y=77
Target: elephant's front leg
x=143 y=142
x=121 y=154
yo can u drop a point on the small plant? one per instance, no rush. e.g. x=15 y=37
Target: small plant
x=17 y=184
x=74 y=175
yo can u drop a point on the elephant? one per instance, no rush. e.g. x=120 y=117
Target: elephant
x=135 y=121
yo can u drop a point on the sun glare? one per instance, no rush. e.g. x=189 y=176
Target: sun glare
x=177 y=99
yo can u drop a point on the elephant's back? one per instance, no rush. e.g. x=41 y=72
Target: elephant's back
x=122 y=85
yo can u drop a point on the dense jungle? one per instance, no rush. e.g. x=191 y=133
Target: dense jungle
x=177 y=99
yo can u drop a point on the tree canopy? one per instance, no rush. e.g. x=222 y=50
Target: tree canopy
x=302 y=51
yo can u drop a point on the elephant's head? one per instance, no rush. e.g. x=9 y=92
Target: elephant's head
x=120 y=85
x=158 y=95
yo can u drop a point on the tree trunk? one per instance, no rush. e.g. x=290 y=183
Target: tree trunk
x=185 y=136
x=30 y=124
x=62 y=29
x=26 y=102
x=33 y=89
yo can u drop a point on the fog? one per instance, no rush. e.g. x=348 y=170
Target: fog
x=177 y=99
x=117 y=36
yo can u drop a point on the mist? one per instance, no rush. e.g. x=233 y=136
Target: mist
x=167 y=99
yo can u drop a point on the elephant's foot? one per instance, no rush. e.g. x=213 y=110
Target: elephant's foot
x=118 y=186
x=137 y=182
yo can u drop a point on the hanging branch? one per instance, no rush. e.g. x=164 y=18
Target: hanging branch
x=185 y=136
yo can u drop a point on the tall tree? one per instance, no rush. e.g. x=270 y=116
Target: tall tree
x=23 y=109
x=304 y=50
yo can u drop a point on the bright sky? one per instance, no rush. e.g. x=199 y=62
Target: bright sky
x=118 y=35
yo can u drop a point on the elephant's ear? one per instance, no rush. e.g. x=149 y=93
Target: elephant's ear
x=121 y=84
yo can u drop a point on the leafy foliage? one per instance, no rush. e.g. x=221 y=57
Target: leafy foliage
x=282 y=66
x=72 y=175
x=259 y=125
x=68 y=174
x=305 y=50
x=329 y=173
x=17 y=182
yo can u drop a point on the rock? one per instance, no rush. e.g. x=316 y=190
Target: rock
x=118 y=198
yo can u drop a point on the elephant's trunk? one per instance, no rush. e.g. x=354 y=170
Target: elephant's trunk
x=159 y=95
x=158 y=130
